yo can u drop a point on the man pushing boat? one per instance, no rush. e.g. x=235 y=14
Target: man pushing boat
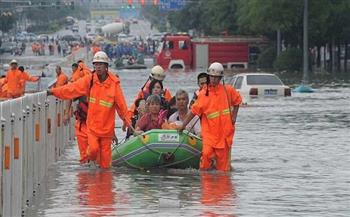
x=217 y=105
x=105 y=95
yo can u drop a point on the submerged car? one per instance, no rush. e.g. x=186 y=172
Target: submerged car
x=253 y=85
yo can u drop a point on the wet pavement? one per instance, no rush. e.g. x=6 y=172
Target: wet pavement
x=290 y=158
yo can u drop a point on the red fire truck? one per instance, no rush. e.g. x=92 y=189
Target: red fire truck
x=180 y=51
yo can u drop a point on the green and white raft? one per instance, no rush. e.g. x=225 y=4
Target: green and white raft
x=159 y=149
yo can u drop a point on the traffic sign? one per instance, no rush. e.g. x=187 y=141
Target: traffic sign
x=171 y=5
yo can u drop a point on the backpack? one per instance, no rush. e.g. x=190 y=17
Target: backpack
x=83 y=106
x=82 y=109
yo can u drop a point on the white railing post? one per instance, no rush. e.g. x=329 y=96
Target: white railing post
x=16 y=158
x=7 y=166
x=2 y=130
x=32 y=137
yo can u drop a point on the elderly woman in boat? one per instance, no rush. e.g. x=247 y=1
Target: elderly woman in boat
x=153 y=119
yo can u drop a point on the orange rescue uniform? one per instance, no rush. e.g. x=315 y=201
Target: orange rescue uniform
x=62 y=79
x=95 y=49
x=3 y=88
x=216 y=124
x=13 y=79
x=24 y=78
x=81 y=133
x=104 y=99
x=80 y=127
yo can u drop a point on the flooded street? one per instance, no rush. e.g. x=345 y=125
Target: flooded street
x=290 y=158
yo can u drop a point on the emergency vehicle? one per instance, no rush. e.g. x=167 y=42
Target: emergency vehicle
x=180 y=51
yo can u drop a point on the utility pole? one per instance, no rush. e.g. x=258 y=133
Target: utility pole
x=304 y=88
x=278 y=42
x=305 y=45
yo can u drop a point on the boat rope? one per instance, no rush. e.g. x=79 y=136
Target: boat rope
x=183 y=139
x=127 y=162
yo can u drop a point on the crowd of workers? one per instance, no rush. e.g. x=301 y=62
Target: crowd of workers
x=12 y=85
x=211 y=114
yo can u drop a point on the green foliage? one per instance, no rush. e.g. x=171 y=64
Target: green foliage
x=267 y=58
x=51 y=19
x=289 y=60
x=6 y=22
x=156 y=18
x=211 y=17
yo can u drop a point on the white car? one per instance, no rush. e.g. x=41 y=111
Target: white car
x=253 y=85
x=91 y=36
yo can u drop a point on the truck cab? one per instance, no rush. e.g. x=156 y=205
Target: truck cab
x=175 y=52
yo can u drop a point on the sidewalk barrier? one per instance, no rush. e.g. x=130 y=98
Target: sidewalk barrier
x=32 y=138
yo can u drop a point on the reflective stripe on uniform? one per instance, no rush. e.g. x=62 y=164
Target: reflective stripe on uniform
x=213 y=115
x=92 y=100
x=106 y=104
x=226 y=111
x=217 y=114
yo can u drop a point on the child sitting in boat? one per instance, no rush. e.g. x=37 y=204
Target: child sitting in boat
x=153 y=119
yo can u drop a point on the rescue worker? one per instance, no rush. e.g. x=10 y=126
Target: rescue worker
x=217 y=105
x=62 y=78
x=76 y=72
x=202 y=81
x=13 y=78
x=3 y=87
x=157 y=73
x=80 y=115
x=84 y=67
x=105 y=96
x=24 y=78
x=79 y=70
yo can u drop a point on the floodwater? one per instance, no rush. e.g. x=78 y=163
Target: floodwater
x=291 y=157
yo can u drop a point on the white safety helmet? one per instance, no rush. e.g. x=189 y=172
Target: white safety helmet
x=13 y=62
x=100 y=57
x=158 y=73
x=216 y=69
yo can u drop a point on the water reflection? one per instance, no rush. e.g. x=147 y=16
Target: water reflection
x=95 y=193
x=217 y=190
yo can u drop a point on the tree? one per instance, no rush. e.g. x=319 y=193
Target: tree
x=7 y=21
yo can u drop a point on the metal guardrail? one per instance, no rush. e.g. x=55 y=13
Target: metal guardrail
x=32 y=138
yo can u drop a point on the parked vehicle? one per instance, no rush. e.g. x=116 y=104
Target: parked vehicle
x=69 y=38
x=157 y=36
x=181 y=51
x=90 y=36
x=88 y=27
x=253 y=85
x=30 y=37
x=43 y=37
x=134 y=21
x=8 y=47
x=75 y=28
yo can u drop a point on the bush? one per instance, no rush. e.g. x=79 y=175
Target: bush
x=290 y=60
x=266 y=58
